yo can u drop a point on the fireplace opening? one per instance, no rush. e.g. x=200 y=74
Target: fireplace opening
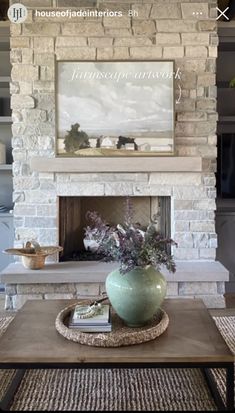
x=73 y=210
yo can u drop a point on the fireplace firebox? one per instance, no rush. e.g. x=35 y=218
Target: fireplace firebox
x=72 y=219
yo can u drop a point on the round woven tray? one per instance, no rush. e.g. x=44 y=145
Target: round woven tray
x=121 y=335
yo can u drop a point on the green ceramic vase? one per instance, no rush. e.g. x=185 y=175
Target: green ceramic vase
x=137 y=295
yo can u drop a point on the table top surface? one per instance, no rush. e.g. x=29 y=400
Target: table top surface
x=192 y=337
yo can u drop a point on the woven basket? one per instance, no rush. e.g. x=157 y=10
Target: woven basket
x=33 y=255
x=121 y=335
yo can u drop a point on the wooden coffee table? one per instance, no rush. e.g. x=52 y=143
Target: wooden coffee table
x=192 y=340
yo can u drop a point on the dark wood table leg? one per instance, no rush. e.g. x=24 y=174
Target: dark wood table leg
x=230 y=387
x=229 y=397
x=214 y=389
x=11 y=390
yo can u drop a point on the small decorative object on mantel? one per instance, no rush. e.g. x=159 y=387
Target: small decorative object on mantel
x=137 y=289
x=33 y=255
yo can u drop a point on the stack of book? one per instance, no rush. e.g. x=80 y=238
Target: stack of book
x=99 y=322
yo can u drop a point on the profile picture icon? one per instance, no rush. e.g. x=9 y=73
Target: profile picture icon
x=17 y=13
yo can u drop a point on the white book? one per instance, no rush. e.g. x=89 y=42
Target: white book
x=93 y=329
x=100 y=318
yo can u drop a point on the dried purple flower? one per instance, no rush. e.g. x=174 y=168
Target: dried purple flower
x=129 y=244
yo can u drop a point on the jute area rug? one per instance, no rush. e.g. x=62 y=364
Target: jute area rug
x=116 y=390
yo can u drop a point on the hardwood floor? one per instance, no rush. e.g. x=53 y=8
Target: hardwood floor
x=230 y=307
x=230 y=300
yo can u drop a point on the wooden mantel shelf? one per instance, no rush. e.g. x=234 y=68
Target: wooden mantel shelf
x=143 y=164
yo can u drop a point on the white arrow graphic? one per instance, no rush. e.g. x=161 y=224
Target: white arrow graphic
x=180 y=94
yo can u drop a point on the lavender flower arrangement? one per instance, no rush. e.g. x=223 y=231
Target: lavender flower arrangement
x=130 y=245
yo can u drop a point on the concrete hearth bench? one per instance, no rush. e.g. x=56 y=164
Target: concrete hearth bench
x=67 y=280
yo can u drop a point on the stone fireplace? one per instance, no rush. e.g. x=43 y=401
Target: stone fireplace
x=180 y=189
x=166 y=199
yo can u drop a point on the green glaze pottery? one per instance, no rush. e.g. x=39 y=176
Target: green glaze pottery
x=137 y=295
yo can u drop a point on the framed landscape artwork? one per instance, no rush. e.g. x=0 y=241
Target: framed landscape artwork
x=115 y=108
